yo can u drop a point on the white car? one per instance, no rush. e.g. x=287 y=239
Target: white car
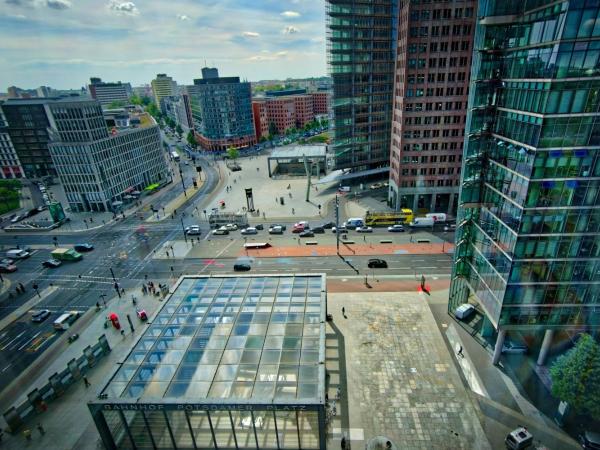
x=220 y=231
x=464 y=311
x=231 y=227
x=276 y=230
x=396 y=228
x=193 y=230
x=249 y=230
x=364 y=229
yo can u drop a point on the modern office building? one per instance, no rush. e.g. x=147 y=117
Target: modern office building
x=528 y=237
x=431 y=87
x=210 y=72
x=163 y=86
x=100 y=170
x=361 y=40
x=107 y=93
x=28 y=125
x=228 y=362
x=222 y=112
x=177 y=108
x=10 y=166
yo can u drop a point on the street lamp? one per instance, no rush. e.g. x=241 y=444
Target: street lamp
x=183 y=229
x=182 y=183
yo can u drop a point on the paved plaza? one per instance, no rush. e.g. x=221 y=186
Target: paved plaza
x=396 y=376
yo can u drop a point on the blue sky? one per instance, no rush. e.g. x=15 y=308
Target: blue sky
x=62 y=43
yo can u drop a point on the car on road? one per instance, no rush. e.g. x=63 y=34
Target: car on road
x=249 y=230
x=276 y=230
x=8 y=268
x=328 y=225
x=241 y=267
x=282 y=226
x=259 y=226
x=396 y=228
x=376 y=263
x=513 y=347
x=364 y=229
x=464 y=311
x=51 y=263
x=307 y=233
x=40 y=316
x=7 y=261
x=376 y=186
x=318 y=230
x=231 y=227
x=341 y=229
x=16 y=218
x=299 y=227
x=220 y=231
x=17 y=253
x=85 y=247
x=193 y=230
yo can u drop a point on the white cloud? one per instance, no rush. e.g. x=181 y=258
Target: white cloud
x=268 y=56
x=250 y=34
x=58 y=4
x=290 y=14
x=182 y=17
x=127 y=8
x=290 y=30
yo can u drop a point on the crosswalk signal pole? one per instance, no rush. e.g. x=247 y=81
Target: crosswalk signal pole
x=337 y=224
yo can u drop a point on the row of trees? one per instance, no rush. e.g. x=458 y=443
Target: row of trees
x=9 y=195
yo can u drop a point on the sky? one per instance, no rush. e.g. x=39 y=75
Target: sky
x=62 y=43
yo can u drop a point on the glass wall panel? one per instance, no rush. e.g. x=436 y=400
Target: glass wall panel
x=243 y=429
x=265 y=429
x=309 y=429
x=180 y=428
x=222 y=427
x=157 y=424
x=117 y=428
x=138 y=430
x=287 y=426
x=201 y=429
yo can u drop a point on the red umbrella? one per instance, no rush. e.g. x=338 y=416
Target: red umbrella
x=113 y=316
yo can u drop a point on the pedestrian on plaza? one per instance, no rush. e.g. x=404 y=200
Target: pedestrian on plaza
x=423 y=282
x=460 y=352
x=343 y=443
x=344 y=312
x=290 y=195
x=22 y=287
x=293 y=211
x=338 y=393
x=123 y=332
x=264 y=215
x=41 y=429
x=364 y=238
x=86 y=382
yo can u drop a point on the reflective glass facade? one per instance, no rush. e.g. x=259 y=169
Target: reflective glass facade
x=228 y=362
x=361 y=45
x=528 y=237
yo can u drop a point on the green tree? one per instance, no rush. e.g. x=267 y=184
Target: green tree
x=263 y=139
x=272 y=130
x=233 y=153
x=116 y=104
x=576 y=377
x=179 y=130
x=191 y=139
x=135 y=100
x=154 y=111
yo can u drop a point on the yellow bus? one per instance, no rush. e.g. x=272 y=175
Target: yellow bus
x=385 y=219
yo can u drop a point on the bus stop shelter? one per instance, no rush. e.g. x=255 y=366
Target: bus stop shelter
x=290 y=160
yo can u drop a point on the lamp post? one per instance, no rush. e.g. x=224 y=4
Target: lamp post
x=183 y=229
x=182 y=183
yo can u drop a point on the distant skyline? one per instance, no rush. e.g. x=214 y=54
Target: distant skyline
x=62 y=43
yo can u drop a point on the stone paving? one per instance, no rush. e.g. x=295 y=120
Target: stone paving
x=398 y=376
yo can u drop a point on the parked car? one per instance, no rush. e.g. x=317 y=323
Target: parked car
x=376 y=263
x=8 y=268
x=241 y=267
x=231 y=227
x=307 y=233
x=282 y=226
x=249 y=230
x=85 y=247
x=513 y=347
x=318 y=230
x=276 y=230
x=7 y=261
x=342 y=229
x=299 y=227
x=376 y=186
x=16 y=218
x=364 y=230
x=259 y=226
x=589 y=440
x=51 y=263
x=464 y=311
x=396 y=228
x=40 y=316
x=328 y=225
x=193 y=230
x=221 y=230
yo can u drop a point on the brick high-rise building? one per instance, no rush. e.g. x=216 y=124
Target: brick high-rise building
x=435 y=45
x=261 y=123
x=320 y=102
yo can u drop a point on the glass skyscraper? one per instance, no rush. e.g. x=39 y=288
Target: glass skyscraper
x=361 y=52
x=528 y=235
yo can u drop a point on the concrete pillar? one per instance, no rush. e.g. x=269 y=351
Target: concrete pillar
x=415 y=204
x=450 y=203
x=498 y=347
x=487 y=329
x=432 y=204
x=545 y=347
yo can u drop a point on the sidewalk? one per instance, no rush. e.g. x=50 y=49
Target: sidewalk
x=175 y=204
x=348 y=250
x=70 y=410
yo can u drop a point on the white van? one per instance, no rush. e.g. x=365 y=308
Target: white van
x=355 y=222
x=16 y=253
x=344 y=189
x=422 y=222
x=65 y=320
x=437 y=217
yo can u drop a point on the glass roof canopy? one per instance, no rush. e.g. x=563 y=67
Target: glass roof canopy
x=230 y=339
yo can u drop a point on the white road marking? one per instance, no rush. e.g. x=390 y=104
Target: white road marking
x=6 y=368
x=27 y=343
x=13 y=340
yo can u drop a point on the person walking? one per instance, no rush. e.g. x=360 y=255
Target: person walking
x=41 y=429
x=343 y=311
x=460 y=352
x=86 y=382
x=343 y=442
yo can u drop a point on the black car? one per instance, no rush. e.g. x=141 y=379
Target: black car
x=307 y=233
x=319 y=230
x=377 y=264
x=241 y=267
x=273 y=225
x=83 y=247
x=328 y=225
x=51 y=263
x=259 y=226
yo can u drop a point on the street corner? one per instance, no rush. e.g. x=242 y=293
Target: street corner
x=173 y=250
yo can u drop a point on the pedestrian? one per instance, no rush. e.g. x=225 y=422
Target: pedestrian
x=264 y=215
x=343 y=311
x=22 y=287
x=343 y=443
x=123 y=332
x=423 y=282
x=460 y=352
x=364 y=238
x=41 y=429
x=338 y=393
x=27 y=434
x=293 y=211
x=290 y=195
x=86 y=382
